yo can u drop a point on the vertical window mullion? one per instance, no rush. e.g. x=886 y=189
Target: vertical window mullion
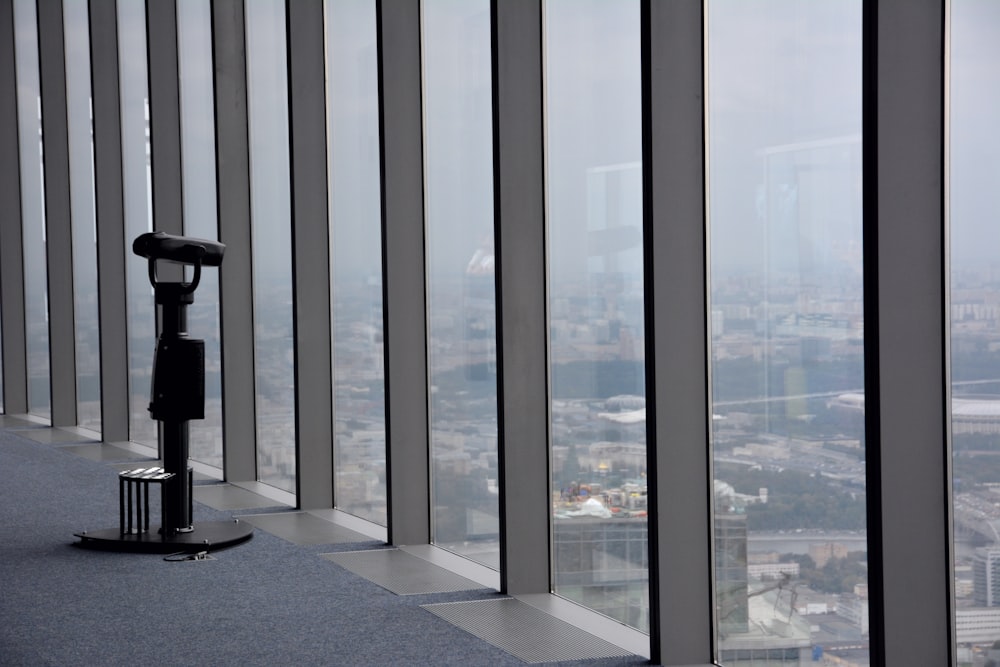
x=906 y=379
x=522 y=357
x=403 y=269
x=58 y=231
x=311 y=262
x=15 y=399
x=110 y=213
x=678 y=411
x=235 y=280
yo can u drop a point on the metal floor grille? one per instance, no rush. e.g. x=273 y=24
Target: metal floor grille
x=400 y=572
x=99 y=452
x=227 y=497
x=55 y=436
x=303 y=528
x=524 y=631
x=14 y=424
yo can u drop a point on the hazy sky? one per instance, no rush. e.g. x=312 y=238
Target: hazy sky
x=975 y=131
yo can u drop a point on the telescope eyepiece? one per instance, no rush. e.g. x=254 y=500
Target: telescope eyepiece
x=179 y=249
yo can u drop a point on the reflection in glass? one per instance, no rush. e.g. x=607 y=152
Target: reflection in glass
x=272 y=244
x=81 y=182
x=137 y=182
x=593 y=152
x=460 y=285
x=784 y=156
x=194 y=61
x=356 y=256
x=974 y=150
x=29 y=120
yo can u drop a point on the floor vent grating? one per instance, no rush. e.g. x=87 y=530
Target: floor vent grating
x=524 y=631
x=303 y=528
x=400 y=572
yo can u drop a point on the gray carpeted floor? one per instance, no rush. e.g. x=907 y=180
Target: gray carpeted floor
x=265 y=602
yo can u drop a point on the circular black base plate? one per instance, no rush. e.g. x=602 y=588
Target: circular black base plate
x=206 y=536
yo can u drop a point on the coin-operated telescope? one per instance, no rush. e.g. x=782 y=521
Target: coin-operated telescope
x=177 y=395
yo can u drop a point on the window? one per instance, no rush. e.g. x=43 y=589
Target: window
x=81 y=156
x=975 y=315
x=596 y=328
x=272 y=243
x=137 y=183
x=194 y=56
x=784 y=157
x=460 y=285
x=356 y=258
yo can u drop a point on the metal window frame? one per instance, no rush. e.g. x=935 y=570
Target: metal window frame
x=15 y=372
x=310 y=247
x=236 y=274
x=906 y=347
x=58 y=218
x=403 y=271
x=110 y=213
x=678 y=403
x=522 y=312
x=165 y=122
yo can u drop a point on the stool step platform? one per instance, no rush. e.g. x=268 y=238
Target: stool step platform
x=136 y=482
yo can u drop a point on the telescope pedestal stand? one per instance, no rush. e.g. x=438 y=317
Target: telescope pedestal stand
x=205 y=536
x=178 y=395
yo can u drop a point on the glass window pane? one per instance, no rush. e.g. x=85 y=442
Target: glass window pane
x=974 y=161
x=137 y=181
x=194 y=61
x=81 y=181
x=29 y=120
x=356 y=256
x=270 y=200
x=784 y=157
x=461 y=297
x=594 y=192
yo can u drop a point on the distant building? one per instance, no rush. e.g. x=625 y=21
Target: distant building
x=986 y=577
x=977 y=625
x=772 y=570
x=824 y=553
